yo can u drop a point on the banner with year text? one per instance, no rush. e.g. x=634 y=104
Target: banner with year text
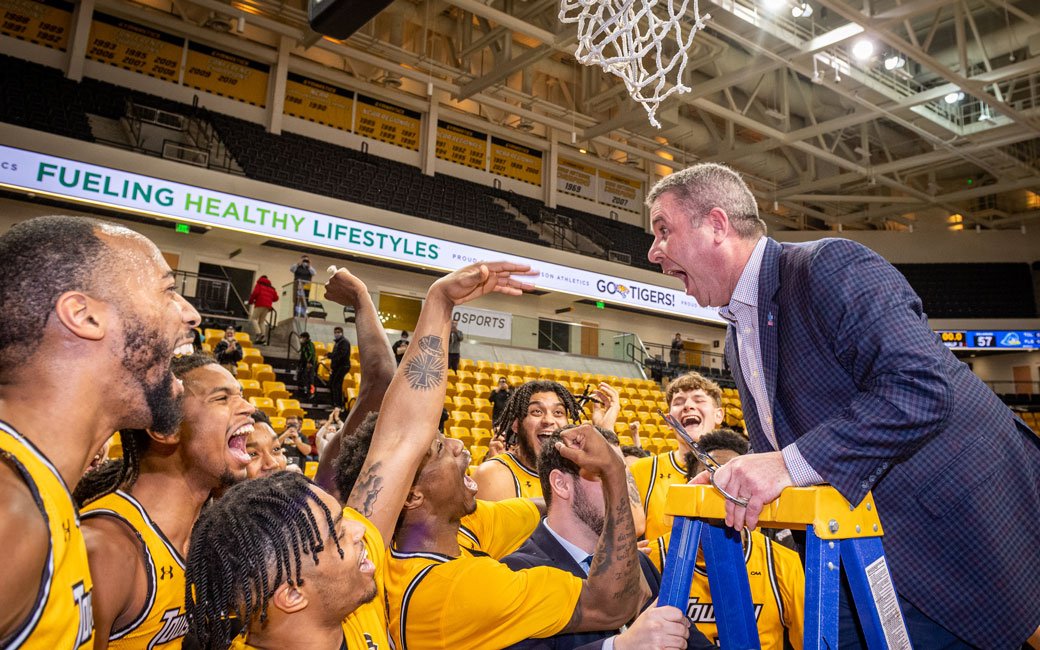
x=317 y=101
x=44 y=22
x=226 y=74
x=516 y=161
x=386 y=122
x=462 y=146
x=134 y=47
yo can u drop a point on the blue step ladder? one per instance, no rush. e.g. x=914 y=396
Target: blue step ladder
x=837 y=535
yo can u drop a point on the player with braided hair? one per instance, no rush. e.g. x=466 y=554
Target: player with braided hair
x=140 y=509
x=533 y=412
x=278 y=596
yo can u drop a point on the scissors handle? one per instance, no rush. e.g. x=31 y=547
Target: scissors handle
x=702 y=455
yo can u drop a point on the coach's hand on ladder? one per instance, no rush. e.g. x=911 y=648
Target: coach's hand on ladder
x=759 y=478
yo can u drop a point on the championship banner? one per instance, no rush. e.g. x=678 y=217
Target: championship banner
x=318 y=101
x=620 y=192
x=483 y=322
x=135 y=47
x=516 y=161
x=576 y=179
x=226 y=74
x=387 y=123
x=44 y=22
x=462 y=146
x=103 y=187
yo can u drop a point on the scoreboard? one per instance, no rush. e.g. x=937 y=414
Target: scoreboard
x=991 y=339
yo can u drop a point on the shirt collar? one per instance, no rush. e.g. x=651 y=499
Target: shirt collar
x=578 y=554
x=746 y=291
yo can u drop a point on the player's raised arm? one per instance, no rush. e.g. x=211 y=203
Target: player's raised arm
x=377 y=368
x=412 y=405
x=615 y=588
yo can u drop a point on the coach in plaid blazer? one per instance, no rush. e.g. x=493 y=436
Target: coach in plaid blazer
x=842 y=381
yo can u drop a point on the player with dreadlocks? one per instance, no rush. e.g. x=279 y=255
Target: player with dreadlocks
x=140 y=509
x=534 y=411
x=265 y=558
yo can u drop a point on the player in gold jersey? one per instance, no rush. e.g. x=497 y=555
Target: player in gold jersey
x=278 y=556
x=90 y=319
x=697 y=403
x=140 y=509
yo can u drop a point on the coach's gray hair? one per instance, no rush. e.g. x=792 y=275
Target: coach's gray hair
x=709 y=185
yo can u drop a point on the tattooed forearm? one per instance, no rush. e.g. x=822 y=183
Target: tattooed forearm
x=425 y=370
x=365 y=494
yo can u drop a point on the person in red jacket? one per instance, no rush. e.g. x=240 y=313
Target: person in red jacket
x=262 y=299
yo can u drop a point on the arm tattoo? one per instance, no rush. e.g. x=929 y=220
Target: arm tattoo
x=425 y=370
x=366 y=491
x=633 y=491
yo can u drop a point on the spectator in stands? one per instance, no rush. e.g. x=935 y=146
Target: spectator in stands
x=844 y=382
x=229 y=351
x=262 y=299
x=498 y=398
x=265 y=450
x=339 y=366
x=308 y=364
x=696 y=402
x=327 y=430
x=401 y=346
x=294 y=444
x=455 y=338
x=303 y=274
x=677 y=348
x=139 y=509
x=633 y=429
x=566 y=539
x=90 y=319
x=330 y=587
x=775 y=573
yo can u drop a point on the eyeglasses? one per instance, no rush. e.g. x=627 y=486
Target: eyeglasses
x=703 y=456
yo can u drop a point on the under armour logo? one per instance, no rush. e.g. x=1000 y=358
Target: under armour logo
x=661 y=475
x=528 y=483
x=165 y=572
x=368 y=642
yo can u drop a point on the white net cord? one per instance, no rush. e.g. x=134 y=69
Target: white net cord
x=620 y=35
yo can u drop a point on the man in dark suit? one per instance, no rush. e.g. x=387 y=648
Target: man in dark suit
x=842 y=381
x=566 y=539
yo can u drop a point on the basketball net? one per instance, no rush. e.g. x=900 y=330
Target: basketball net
x=625 y=37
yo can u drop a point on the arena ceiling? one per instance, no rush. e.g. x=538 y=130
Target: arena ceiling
x=939 y=127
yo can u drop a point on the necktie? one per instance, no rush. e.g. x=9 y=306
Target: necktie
x=586 y=564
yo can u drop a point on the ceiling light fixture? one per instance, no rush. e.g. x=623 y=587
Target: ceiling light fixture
x=953 y=98
x=863 y=49
x=803 y=10
x=893 y=62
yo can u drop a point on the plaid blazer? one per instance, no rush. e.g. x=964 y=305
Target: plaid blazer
x=876 y=402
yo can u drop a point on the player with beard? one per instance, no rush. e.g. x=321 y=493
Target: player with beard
x=137 y=527
x=697 y=403
x=442 y=596
x=264 y=449
x=279 y=554
x=93 y=330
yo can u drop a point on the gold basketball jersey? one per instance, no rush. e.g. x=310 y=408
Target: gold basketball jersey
x=62 y=618
x=653 y=476
x=525 y=481
x=162 y=623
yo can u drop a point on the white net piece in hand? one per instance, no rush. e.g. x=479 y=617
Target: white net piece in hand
x=624 y=37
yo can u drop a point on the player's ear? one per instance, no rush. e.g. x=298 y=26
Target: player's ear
x=170 y=439
x=414 y=499
x=720 y=416
x=289 y=599
x=82 y=316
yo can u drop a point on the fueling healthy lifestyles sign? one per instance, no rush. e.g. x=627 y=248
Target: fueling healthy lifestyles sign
x=483 y=322
x=62 y=178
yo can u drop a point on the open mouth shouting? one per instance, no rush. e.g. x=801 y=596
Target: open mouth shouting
x=237 y=443
x=364 y=563
x=691 y=422
x=470 y=484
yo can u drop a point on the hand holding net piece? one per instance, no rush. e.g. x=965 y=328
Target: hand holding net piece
x=625 y=37
x=701 y=455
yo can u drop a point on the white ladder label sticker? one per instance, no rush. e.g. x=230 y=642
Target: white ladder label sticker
x=884 y=593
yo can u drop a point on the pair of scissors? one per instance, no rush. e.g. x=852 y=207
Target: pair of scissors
x=701 y=455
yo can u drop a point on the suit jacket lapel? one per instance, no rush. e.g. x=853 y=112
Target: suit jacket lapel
x=768 y=286
x=558 y=556
x=747 y=401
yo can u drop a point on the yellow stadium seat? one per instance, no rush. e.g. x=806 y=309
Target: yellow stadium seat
x=515 y=369
x=467 y=364
x=483 y=379
x=278 y=424
x=207 y=348
x=481 y=391
x=626 y=441
x=515 y=380
x=674 y=444
x=308 y=427
x=320 y=348
x=464 y=389
x=276 y=390
x=287 y=407
x=244 y=371
x=265 y=404
x=310 y=469
x=531 y=371
x=481 y=420
x=499 y=369
x=482 y=405
x=461 y=419
x=244 y=339
x=462 y=403
x=481 y=436
x=477 y=454
x=212 y=336
x=464 y=435
x=464 y=376
x=484 y=366
x=251 y=388
x=262 y=372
